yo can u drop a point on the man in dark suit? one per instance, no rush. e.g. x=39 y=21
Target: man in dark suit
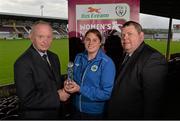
x=38 y=78
x=138 y=90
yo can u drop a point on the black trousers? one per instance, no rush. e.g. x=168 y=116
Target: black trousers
x=76 y=115
x=40 y=114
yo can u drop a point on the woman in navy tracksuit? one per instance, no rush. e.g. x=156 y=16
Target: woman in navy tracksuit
x=94 y=74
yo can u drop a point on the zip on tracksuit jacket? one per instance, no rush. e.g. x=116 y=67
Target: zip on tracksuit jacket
x=96 y=79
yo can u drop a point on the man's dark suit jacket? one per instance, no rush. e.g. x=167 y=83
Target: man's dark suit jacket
x=139 y=86
x=37 y=85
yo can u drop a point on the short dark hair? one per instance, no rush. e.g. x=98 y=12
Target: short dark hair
x=96 y=32
x=137 y=26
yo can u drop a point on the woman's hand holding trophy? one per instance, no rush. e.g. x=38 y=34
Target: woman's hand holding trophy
x=70 y=85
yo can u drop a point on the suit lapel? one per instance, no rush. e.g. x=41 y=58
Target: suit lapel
x=39 y=61
x=125 y=72
x=124 y=68
x=122 y=74
x=129 y=65
x=53 y=66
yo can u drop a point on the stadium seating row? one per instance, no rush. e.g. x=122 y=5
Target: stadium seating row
x=9 y=108
x=10 y=32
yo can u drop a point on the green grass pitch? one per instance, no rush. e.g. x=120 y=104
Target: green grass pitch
x=10 y=50
x=162 y=45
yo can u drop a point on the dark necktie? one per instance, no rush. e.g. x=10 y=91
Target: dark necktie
x=46 y=61
x=49 y=66
x=126 y=58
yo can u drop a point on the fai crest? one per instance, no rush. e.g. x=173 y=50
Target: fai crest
x=121 y=10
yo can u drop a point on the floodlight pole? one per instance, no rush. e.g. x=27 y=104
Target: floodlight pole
x=169 y=39
x=41 y=7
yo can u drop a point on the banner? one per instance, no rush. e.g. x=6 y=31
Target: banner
x=104 y=15
x=100 y=14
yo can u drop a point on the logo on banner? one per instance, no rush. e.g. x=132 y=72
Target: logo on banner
x=96 y=10
x=121 y=10
x=103 y=12
x=103 y=17
x=93 y=13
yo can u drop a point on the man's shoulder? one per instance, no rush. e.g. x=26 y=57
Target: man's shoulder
x=152 y=51
x=148 y=53
x=52 y=54
x=147 y=50
x=25 y=56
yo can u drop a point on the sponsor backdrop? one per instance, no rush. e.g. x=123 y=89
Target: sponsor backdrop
x=103 y=15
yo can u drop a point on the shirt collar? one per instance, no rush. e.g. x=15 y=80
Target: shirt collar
x=41 y=53
x=130 y=54
x=98 y=55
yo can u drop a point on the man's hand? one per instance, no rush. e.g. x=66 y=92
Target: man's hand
x=63 y=95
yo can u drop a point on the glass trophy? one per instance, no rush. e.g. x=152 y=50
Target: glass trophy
x=69 y=73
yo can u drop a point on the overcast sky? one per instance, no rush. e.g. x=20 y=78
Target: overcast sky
x=58 y=8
